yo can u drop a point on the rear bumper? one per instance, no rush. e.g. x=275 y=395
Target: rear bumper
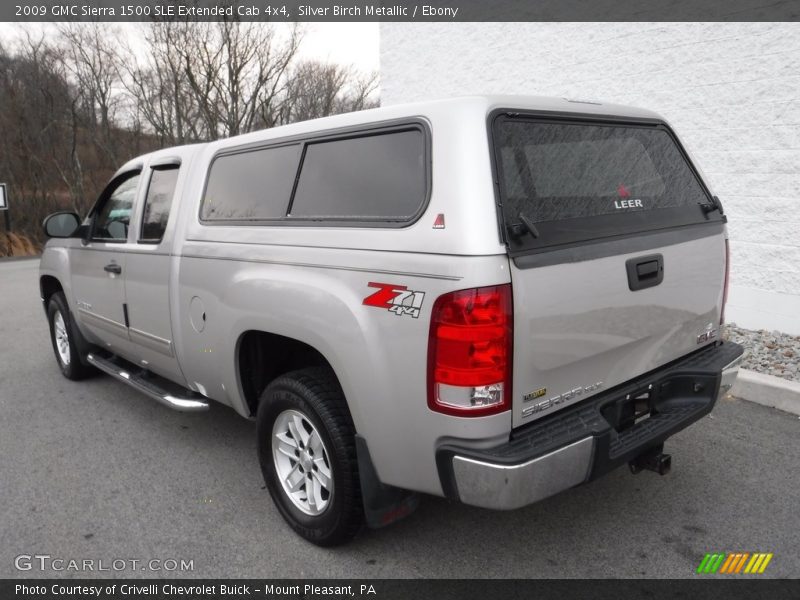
x=584 y=441
x=729 y=374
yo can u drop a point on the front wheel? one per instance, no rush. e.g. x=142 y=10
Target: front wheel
x=62 y=335
x=306 y=447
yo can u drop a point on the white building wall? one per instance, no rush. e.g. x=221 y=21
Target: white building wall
x=731 y=91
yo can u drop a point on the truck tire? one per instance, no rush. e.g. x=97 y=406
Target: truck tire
x=63 y=336
x=306 y=447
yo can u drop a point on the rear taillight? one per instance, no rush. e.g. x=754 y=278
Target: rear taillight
x=469 y=352
x=727 y=278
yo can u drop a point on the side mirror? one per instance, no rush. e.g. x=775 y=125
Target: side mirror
x=61 y=224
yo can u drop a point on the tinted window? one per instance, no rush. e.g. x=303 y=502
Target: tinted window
x=373 y=177
x=158 y=204
x=251 y=185
x=114 y=217
x=556 y=171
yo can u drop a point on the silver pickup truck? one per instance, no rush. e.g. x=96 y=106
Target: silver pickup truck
x=491 y=299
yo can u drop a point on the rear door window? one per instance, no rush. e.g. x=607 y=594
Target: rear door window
x=579 y=181
x=378 y=177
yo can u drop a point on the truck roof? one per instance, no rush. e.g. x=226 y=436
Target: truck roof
x=466 y=106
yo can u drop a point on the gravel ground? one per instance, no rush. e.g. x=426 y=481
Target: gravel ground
x=769 y=352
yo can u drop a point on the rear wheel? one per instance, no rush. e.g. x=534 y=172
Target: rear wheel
x=63 y=336
x=306 y=446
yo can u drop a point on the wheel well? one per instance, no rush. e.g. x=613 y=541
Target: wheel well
x=264 y=356
x=48 y=286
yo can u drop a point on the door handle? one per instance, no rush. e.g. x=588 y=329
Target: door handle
x=113 y=268
x=648 y=269
x=644 y=271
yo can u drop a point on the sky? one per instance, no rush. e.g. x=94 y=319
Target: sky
x=353 y=44
x=346 y=43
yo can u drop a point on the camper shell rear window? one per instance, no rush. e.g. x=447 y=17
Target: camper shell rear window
x=581 y=180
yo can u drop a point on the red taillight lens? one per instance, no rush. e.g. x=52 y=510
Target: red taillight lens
x=469 y=352
x=727 y=278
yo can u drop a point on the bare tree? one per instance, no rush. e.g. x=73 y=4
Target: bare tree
x=91 y=59
x=237 y=74
x=313 y=90
x=159 y=86
x=35 y=103
x=360 y=94
x=318 y=89
x=75 y=105
x=206 y=80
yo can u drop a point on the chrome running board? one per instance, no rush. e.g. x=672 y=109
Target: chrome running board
x=185 y=402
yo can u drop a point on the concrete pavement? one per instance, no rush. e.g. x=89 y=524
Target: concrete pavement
x=93 y=470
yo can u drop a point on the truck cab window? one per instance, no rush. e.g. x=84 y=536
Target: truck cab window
x=157 y=204
x=113 y=218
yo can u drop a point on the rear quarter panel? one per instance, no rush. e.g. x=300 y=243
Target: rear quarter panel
x=379 y=357
x=309 y=284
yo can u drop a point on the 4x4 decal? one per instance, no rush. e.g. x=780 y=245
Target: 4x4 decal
x=396 y=298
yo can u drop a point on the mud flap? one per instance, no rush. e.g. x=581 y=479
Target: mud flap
x=383 y=504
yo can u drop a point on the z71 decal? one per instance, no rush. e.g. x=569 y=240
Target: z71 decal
x=396 y=298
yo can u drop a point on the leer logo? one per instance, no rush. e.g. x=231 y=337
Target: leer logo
x=733 y=563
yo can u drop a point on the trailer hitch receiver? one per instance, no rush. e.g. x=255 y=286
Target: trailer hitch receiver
x=652 y=460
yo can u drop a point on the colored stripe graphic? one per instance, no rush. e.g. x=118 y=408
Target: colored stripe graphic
x=752 y=563
x=715 y=563
x=767 y=558
x=703 y=563
x=733 y=562
x=741 y=562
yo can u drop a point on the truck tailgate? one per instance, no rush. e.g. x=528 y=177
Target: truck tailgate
x=580 y=329
x=617 y=254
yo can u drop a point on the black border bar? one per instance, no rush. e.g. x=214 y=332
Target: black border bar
x=400 y=10
x=731 y=587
